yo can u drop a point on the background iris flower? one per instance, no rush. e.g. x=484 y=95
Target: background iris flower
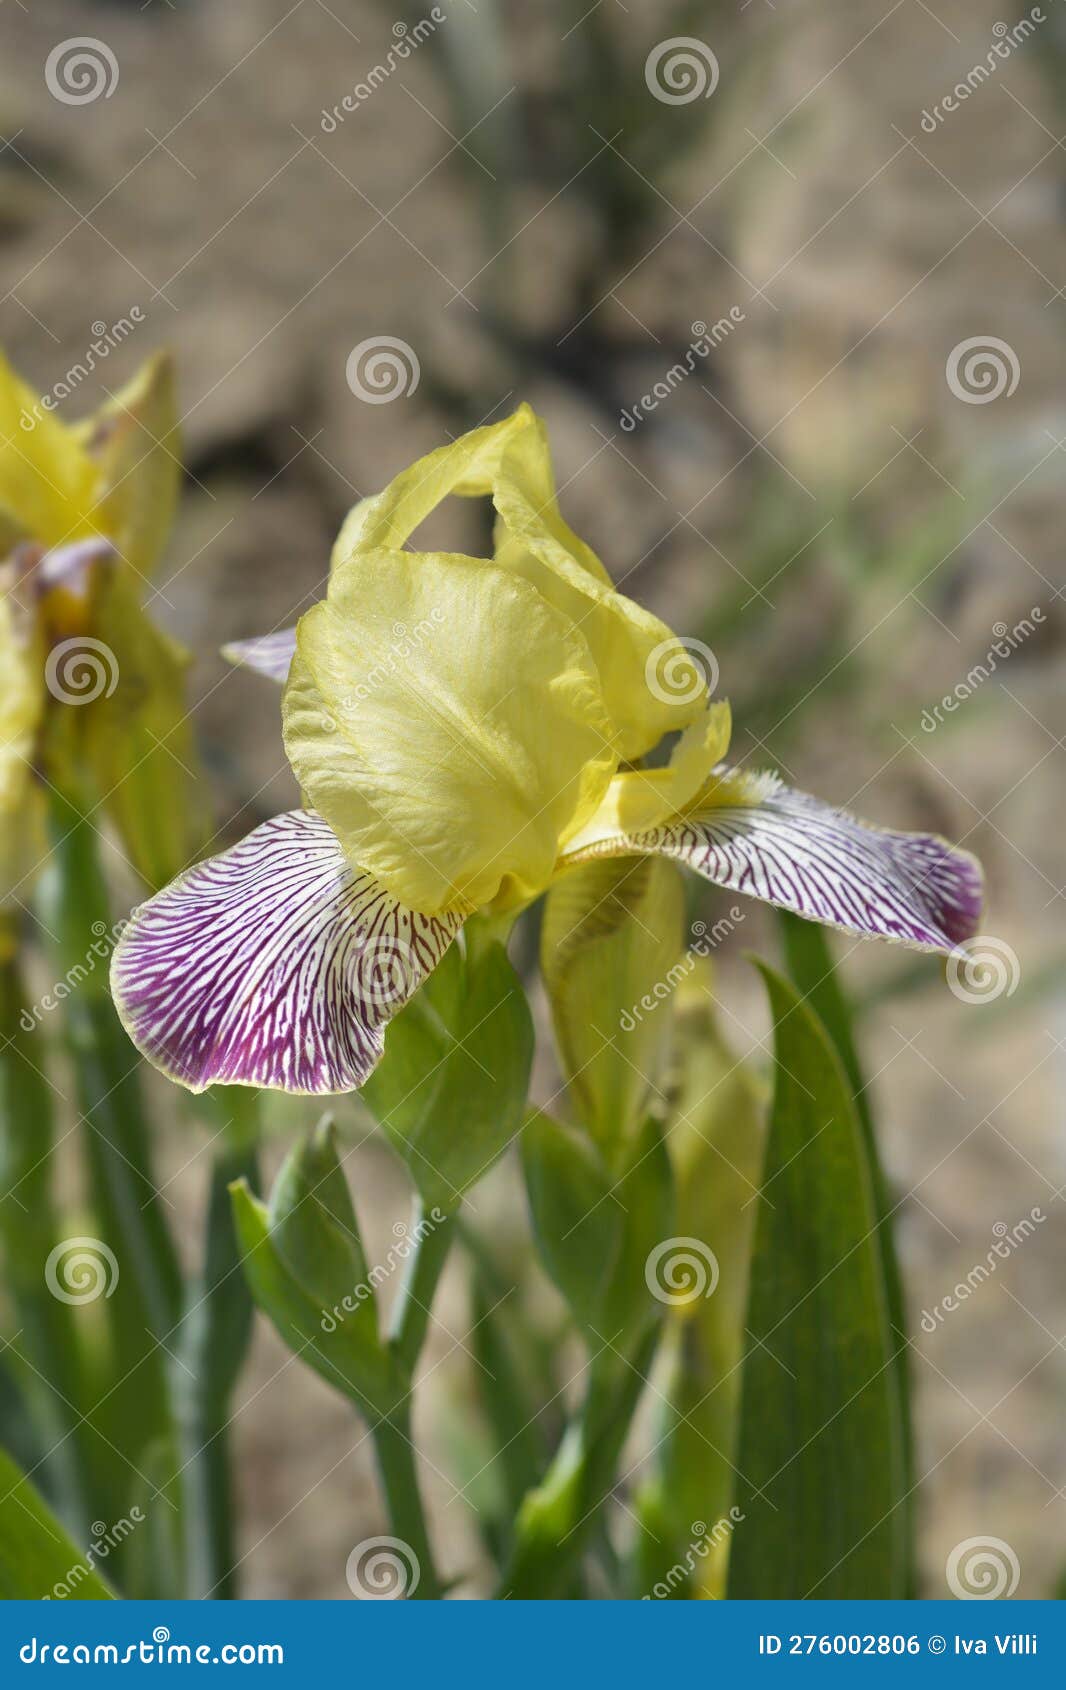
x=465 y=730
x=85 y=511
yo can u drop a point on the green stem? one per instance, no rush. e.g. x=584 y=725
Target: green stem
x=410 y=1315
x=557 y=1519
x=211 y=1348
x=49 y=1348
x=399 y=1479
x=144 y=1304
x=392 y=1435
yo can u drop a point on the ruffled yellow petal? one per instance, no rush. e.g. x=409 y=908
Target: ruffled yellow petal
x=639 y=799
x=630 y=646
x=449 y=725
x=46 y=478
x=134 y=445
x=21 y=705
x=467 y=466
x=511 y=461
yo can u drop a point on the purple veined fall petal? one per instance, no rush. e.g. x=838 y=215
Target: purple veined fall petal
x=801 y=854
x=274 y=964
x=268 y=654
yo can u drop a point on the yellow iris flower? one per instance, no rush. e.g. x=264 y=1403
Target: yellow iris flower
x=85 y=510
x=464 y=730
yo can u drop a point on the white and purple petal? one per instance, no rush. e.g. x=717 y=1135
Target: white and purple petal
x=801 y=854
x=268 y=654
x=275 y=964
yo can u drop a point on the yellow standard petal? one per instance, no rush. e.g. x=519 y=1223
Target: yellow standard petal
x=631 y=647
x=639 y=799
x=449 y=725
x=134 y=444
x=510 y=460
x=46 y=478
x=21 y=706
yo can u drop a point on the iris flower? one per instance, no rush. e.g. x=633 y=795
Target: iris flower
x=464 y=730
x=85 y=509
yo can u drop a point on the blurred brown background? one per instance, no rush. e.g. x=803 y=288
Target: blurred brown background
x=843 y=524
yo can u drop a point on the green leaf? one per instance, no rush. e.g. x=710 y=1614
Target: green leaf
x=810 y=963
x=611 y=944
x=643 y=1188
x=577 y=1223
x=328 y=1340
x=36 y=1555
x=139 y=737
x=450 y=1091
x=716 y=1134
x=314 y=1229
x=821 y=1448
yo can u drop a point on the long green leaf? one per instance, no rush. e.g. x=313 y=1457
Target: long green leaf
x=810 y=963
x=821 y=1447
x=37 y=1558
